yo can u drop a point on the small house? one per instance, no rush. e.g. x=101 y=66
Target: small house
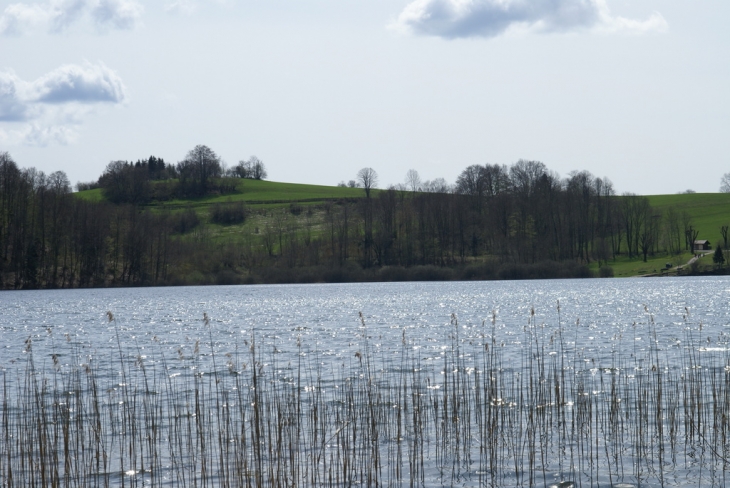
x=702 y=245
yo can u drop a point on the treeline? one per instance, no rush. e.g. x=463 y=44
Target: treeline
x=200 y=173
x=497 y=222
x=526 y=213
x=521 y=215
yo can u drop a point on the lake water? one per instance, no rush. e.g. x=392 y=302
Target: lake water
x=517 y=383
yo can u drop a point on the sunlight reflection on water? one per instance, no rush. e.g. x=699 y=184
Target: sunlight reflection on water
x=604 y=323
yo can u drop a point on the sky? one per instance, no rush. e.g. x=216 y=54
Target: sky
x=633 y=90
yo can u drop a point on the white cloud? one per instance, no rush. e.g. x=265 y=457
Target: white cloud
x=19 y=17
x=64 y=13
x=52 y=106
x=60 y=15
x=83 y=84
x=35 y=135
x=12 y=106
x=489 y=18
x=121 y=14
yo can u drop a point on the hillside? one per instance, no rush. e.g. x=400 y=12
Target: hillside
x=709 y=211
x=255 y=192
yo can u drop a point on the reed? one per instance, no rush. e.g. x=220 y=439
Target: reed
x=475 y=412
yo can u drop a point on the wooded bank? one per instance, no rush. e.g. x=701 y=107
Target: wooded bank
x=497 y=222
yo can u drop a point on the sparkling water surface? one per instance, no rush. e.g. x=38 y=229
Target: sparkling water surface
x=601 y=324
x=326 y=315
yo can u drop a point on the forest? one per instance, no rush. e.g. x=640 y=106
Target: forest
x=496 y=222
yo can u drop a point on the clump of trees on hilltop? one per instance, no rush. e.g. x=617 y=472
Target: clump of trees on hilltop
x=496 y=222
x=200 y=173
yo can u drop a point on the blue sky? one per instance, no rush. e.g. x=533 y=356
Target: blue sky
x=636 y=91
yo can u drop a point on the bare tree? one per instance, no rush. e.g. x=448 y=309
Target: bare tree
x=252 y=169
x=258 y=170
x=725 y=183
x=525 y=176
x=199 y=166
x=59 y=183
x=723 y=231
x=470 y=182
x=413 y=180
x=437 y=185
x=368 y=178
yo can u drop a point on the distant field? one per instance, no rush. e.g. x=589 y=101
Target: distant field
x=623 y=267
x=267 y=192
x=94 y=195
x=257 y=192
x=709 y=211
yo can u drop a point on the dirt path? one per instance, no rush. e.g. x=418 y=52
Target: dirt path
x=694 y=258
x=677 y=269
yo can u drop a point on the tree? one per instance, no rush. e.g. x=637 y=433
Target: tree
x=368 y=179
x=199 y=166
x=437 y=185
x=58 y=182
x=525 y=176
x=470 y=181
x=123 y=182
x=252 y=169
x=413 y=180
x=718 y=258
x=725 y=183
x=692 y=235
x=258 y=170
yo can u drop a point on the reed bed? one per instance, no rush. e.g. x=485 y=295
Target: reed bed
x=545 y=414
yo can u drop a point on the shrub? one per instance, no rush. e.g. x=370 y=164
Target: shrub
x=228 y=213
x=227 y=277
x=605 y=272
x=185 y=221
x=295 y=208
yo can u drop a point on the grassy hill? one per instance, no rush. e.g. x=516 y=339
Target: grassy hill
x=256 y=192
x=262 y=192
x=709 y=211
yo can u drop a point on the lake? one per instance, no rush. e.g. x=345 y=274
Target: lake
x=617 y=382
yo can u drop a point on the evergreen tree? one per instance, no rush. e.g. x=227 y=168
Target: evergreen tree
x=719 y=257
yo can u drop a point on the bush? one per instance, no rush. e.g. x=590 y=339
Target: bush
x=295 y=208
x=605 y=272
x=227 y=277
x=185 y=221
x=228 y=213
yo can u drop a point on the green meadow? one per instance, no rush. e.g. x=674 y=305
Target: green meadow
x=709 y=211
x=262 y=192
